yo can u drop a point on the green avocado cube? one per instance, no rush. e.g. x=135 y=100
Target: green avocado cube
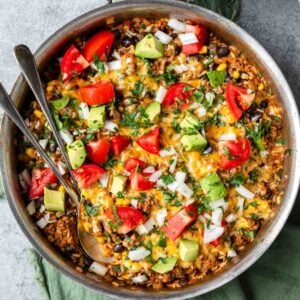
x=54 y=200
x=193 y=142
x=213 y=187
x=77 y=153
x=59 y=104
x=188 y=250
x=165 y=265
x=153 y=111
x=118 y=184
x=149 y=47
x=190 y=121
x=96 y=117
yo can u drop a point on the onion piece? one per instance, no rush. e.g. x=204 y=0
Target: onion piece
x=231 y=253
x=114 y=65
x=149 y=170
x=217 y=216
x=116 y=55
x=98 y=268
x=43 y=222
x=163 y=37
x=161 y=216
x=139 y=278
x=104 y=180
x=43 y=143
x=177 y=25
x=83 y=111
x=66 y=136
x=62 y=167
x=26 y=176
x=180 y=177
x=230 y=218
x=212 y=233
x=188 y=38
x=167 y=152
x=227 y=137
x=180 y=68
x=111 y=126
x=134 y=203
x=184 y=190
x=31 y=208
x=201 y=112
x=217 y=203
x=173 y=186
x=240 y=204
x=173 y=164
x=138 y=254
x=155 y=176
x=160 y=95
x=202 y=219
x=244 y=192
x=146 y=227
x=264 y=154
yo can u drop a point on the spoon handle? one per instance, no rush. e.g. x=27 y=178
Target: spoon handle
x=27 y=64
x=10 y=109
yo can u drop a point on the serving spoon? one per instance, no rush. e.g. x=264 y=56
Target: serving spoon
x=89 y=244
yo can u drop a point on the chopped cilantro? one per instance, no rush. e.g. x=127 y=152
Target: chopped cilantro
x=167 y=178
x=237 y=180
x=116 y=216
x=253 y=175
x=99 y=65
x=138 y=88
x=91 y=210
x=199 y=96
x=162 y=242
x=216 y=78
x=111 y=163
x=280 y=141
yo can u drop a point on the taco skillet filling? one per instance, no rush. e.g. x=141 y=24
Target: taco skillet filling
x=176 y=142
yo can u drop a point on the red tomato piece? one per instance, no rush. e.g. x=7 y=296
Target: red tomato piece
x=179 y=222
x=178 y=91
x=216 y=242
x=87 y=175
x=72 y=63
x=201 y=34
x=129 y=216
x=99 y=93
x=150 y=141
x=238 y=99
x=39 y=179
x=139 y=183
x=97 y=151
x=99 y=44
x=118 y=144
x=234 y=153
x=191 y=48
x=133 y=163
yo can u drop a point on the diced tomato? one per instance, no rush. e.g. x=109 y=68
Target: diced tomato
x=72 y=63
x=216 y=242
x=133 y=163
x=99 y=93
x=150 y=141
x=87 y=175
x=201 y=34
x=179 y=222
x=238 y=99
x=39 y=179
x=234 y=153
x=118 y=144
x=129 y=216
x=139 y=183
x=99 y=44
x=97 y=151
x=178 y=92
x=191 y=48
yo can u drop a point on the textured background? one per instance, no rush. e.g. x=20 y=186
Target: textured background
x=274 y=23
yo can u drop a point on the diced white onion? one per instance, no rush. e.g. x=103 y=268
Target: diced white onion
x=188 y=38
x=167 y=152
x=43 y=143
x=161 y=94
x=134 y=203
x=149 y=170
x=240 y=204
x=217 y=216
x=104 y=180
x=210 y=96
x=184 y=190
x=202 y=219
x=163 y=37
x=177 y=25
x=173 y=164
x=160 y=183
x=217 y=203
x=110 y=126
x=62 y=167
x=225 y=206
x=201 y=112
x=264 y=154
x=66 y=136
x=43 y=222
x=27 y=122
x=161 y=216
x=138 y=254
x=116 y=55
x=230 y=218
x=173 y=186
x=227 y=137
x=207 y=216
x=31 y=208
x=83 y=111
x=25 y=179
x=180 y=68
x=42 y=208
x=139 y=278
x=189 y=201
x=114 y=65
x=244 y=192
x=155 y=176
x=146 y=227
x=231 y=253
x=98 y=268
x=212 y=233
x=180 y=177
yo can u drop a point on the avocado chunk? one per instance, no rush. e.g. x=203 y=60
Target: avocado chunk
x=59 y=104
x=190 y=121
x=192 y=142
x=149 y=47
x=77 y=153
x=165 y=265
x=118 y=184
x=153 y=111
x=213 y=187
x=188 y=250
x=96 y=117
x=54 y=200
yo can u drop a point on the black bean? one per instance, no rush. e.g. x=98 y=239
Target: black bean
x=208 y=149
x=252 y=109
x=264 y=103
x=128 y=40
x=118 y=248
x=177 y=50
x=268 y=194
x=222 y=51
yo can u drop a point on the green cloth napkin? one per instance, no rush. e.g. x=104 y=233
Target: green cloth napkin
x=274 y=276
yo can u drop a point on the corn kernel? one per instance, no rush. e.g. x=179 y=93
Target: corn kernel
x=222 y=67
x=236 y=74
x=101 y=239
x=203 y=50
x=50 y=88
x=244 y=76
x=61 y=188
x=38 y=113
x=30 y=152
x=261 y=87
x=122 y=201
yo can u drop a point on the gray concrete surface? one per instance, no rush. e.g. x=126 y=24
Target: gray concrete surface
x=275 y=23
